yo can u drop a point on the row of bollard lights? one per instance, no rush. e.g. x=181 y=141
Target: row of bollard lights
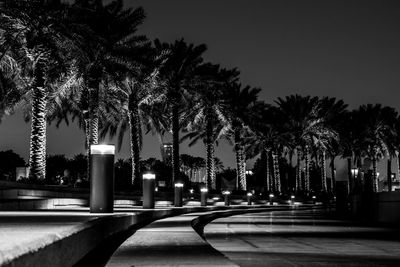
x=102 y=184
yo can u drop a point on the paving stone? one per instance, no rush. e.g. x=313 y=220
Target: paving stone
x=168 y=242
x=311 y=239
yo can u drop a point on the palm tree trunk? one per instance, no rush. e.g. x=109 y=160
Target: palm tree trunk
x=94 y=129
x=323 y=171
x=307 y=173
x=240 y=162
x=243 y=171
x=277 y=176
x=134 y=127
x=210 y=166
x=37 y=153
x=87 y=141
x=333 y=174
x=175 y=143
x=240 y=165
x=94 y=103
x=389 y=173
x=268 y=178
x=398 y=164
x=298 y=171
x=374 y=175
x=349 y=174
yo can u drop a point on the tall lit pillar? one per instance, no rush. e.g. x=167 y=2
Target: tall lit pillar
x=178 y=194
x=227 y=197
x=102 y=178
x=148 y=190
x=203 y=196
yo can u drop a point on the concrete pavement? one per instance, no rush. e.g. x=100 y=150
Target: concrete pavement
x=302 y=238
x=168 y=242
x=76 y=237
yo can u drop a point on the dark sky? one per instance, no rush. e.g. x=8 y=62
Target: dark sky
x=346 y=49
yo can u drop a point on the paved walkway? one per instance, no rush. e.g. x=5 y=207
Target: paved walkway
x=302 y=238
x=168 y=242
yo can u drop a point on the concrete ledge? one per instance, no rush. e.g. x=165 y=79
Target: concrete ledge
x=67 y=248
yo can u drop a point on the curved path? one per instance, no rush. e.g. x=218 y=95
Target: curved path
x=168 y=242
x=302 y=238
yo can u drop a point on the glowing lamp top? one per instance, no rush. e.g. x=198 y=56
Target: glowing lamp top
x=203 y=189
x=249 y=194
x=102 y=149
x=149 y=176
x=178 y=185
x=271 y=195
x=226 y=192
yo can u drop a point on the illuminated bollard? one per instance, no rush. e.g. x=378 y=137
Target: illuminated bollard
x=191 y=191
x=102 y=178
x=203 y=196
x=292 y=199
x=178 y=194
x=148 y=190
x=271 y=199
x=314 y=198
x=249 y=195
x=227 y=197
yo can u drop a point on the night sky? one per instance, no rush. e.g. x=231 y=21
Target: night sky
x=344 y=49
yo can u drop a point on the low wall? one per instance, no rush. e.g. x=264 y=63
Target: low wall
x=383 y=207
x=387 y=207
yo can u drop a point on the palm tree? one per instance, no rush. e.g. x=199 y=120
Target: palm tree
x=331 y=112
x=112 y=50
x=396 y=145
x=218 y=165
x=270 y=140
x=108 y=53
x=302 y=124
x=239 y=103
x=177 y=74
x=45 y=52
x=378 y=128
x=207 y=118
x=133 y=99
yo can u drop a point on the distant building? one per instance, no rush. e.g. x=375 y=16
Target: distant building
x=167 y=153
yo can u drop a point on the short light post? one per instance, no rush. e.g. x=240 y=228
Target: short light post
x=271 y=199
x=292 y=197
x=203 y=196
x=227 y=197
x=149 y=180
x=314 y=198
x=354 y=175
x=101 y=178
x=178 y=194
x=191 y=191
x=249 y=195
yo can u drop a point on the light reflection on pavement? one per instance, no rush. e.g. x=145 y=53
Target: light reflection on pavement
x=302 y=238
